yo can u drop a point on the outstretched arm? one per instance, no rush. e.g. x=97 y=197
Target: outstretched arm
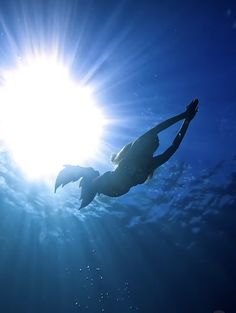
x=171 y=121
x=164 y=157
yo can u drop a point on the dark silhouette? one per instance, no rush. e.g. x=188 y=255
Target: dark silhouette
x=135 y=162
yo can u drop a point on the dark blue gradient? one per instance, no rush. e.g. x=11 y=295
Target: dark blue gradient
x=169 y=245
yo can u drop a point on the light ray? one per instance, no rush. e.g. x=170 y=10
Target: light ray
x=47 y=119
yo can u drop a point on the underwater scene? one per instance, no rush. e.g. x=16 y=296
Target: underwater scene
x=86 y=226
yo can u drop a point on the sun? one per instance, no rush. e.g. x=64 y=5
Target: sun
x=46 y=118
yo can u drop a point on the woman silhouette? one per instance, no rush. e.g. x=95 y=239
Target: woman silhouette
x=135 y=162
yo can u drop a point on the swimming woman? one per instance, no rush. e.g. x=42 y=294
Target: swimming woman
x=135 y=162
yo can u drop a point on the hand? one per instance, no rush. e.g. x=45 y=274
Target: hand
x=191 y=110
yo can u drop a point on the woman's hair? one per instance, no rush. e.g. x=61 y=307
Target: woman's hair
x=117 y=157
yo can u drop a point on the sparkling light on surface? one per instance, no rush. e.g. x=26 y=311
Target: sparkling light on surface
x=46 y=118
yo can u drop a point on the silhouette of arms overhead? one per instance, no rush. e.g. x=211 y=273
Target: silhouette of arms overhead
x=190 y=112
x=135 y=162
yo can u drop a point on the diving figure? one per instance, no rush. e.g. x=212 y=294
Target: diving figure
x=135 y=162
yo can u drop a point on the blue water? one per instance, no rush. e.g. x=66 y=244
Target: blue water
x=169 y=245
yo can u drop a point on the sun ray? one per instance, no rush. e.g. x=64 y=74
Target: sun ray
x=46 y=118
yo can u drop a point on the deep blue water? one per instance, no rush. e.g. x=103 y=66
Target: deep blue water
x=169 y=245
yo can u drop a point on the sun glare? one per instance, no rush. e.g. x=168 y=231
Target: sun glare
x=46 y=118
